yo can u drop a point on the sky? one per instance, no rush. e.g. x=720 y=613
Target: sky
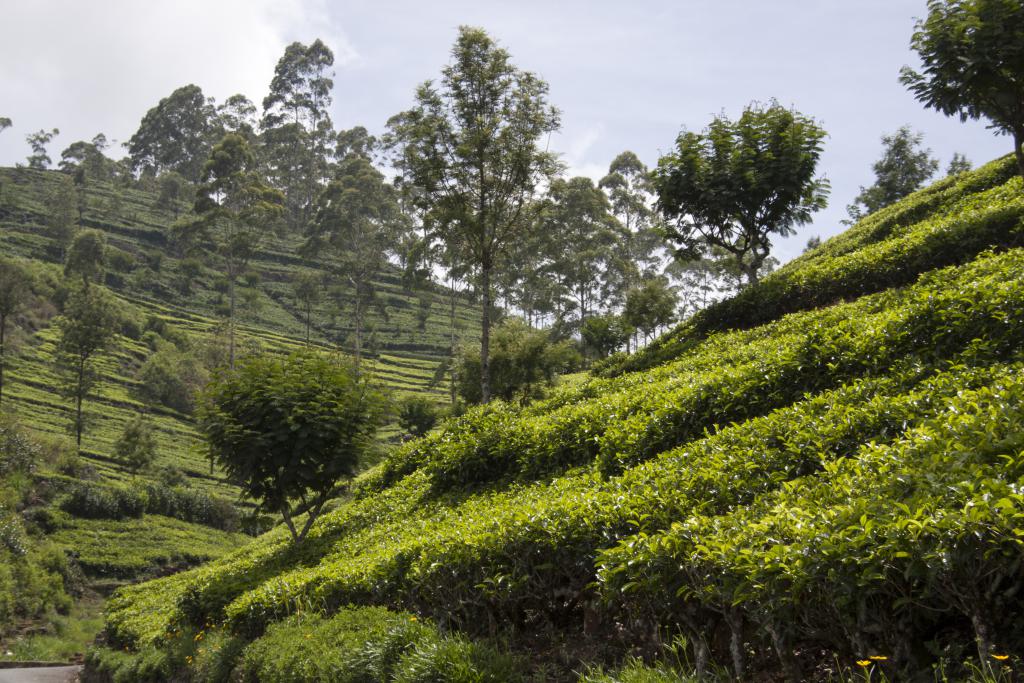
x=626 y=76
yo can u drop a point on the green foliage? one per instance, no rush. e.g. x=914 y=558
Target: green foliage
x=738 y=183
x=285 y=429
x=524 y=361
x=477 y=136
x=604 y=334
x=86 y=257
x=972 y=54
x=417 y=415
x=171 y=378
x=40 y=158
x=903 y=168
x=99 y=501
x=650 y=305
x=175 y=135
x=85 y=330
x=137 y=446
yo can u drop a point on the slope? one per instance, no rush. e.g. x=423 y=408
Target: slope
x=835 y=478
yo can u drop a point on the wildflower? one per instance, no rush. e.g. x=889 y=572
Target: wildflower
x=1000 y=658
x=413 y=619
x=878 y=658
x=864 y=663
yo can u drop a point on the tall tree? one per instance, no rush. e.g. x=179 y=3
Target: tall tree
x=14 y=291
x=297 y=128
x=175 y=135
x=234 y=209
x=40 y=159
x=84 y=331
x=738 y=183
x=578 y=218
x=903 y=168
x=650 y=306
x=306 y=289
x=639 y=253
x=972 y=63
x=356 y=218
x=473 y=147
x=62 y=203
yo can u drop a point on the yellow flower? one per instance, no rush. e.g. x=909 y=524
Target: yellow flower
x=864 y=662
x=1000 y=658
x=878 y=658
x=413 y=619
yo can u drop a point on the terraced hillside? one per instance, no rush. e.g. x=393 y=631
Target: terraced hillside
x=117 y=526
x=823 y=471
x=154 y=284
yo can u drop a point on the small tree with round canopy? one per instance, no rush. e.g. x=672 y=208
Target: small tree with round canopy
x=289 y=430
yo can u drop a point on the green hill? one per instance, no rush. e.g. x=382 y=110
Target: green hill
x=116 y=526
x=823 y=471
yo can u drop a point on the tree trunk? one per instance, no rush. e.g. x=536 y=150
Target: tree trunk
x=231 y=321
x=359 y=327
x=485 y=334
x=734 y=619
x=78 y=404
x=451 y=347
x=3 y=358
x=1018 y=141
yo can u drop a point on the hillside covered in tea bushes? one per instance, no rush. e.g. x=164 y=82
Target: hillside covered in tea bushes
x=822 y=471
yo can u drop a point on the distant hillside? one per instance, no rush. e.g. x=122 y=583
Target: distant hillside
x=823 y=471
x=115 y=526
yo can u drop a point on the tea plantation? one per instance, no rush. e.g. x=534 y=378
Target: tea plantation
x=819 y=479
x=77 y=525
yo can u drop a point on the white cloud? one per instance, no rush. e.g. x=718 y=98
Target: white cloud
x=87 y=67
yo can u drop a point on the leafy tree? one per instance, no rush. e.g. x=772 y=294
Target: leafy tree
x=61 y=215
x=605 y=334
x=306 y=289
x=297 y=129
x=175 y=135
x=958 y=164
x=356 y=215
x=650 y=306
x=234 y=209
x=87 y=257
x=40 y=159
x=813 y=242
x=136 y=447
x=639 y=253
x=5 y=123
x=14 y=293
x=972 y=59
x=171 y=378
x=738 y=183
x=417 y=415
x=173 y=190
x=578 y=219
x=525 y=362
x=84 y=331
x=472 y=148
x=903 y=168
x=237 y=114
x=84 y=159
x=288 y=430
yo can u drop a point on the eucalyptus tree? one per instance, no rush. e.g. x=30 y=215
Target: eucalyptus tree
x=356 y=221
x=473 y=145
x=175 y=135
x=306 y=289
x=37 y=142
x=903 y=167
x=234 y=209
x=14 y=294
x=578 y=218
x=972 y=64
x=737 y=184
x=629 y=189
x=296 y=127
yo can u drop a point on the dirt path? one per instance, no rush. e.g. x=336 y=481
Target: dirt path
x=47 y=674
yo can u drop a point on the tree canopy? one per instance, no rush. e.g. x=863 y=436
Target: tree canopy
x=472 y=148
x=288 y=430
x=737 y=184
x=903 y=168
x=972 y=63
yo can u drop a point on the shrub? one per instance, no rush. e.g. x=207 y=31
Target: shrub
x=136 y=446
x=98 y=501
x=417 y=415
